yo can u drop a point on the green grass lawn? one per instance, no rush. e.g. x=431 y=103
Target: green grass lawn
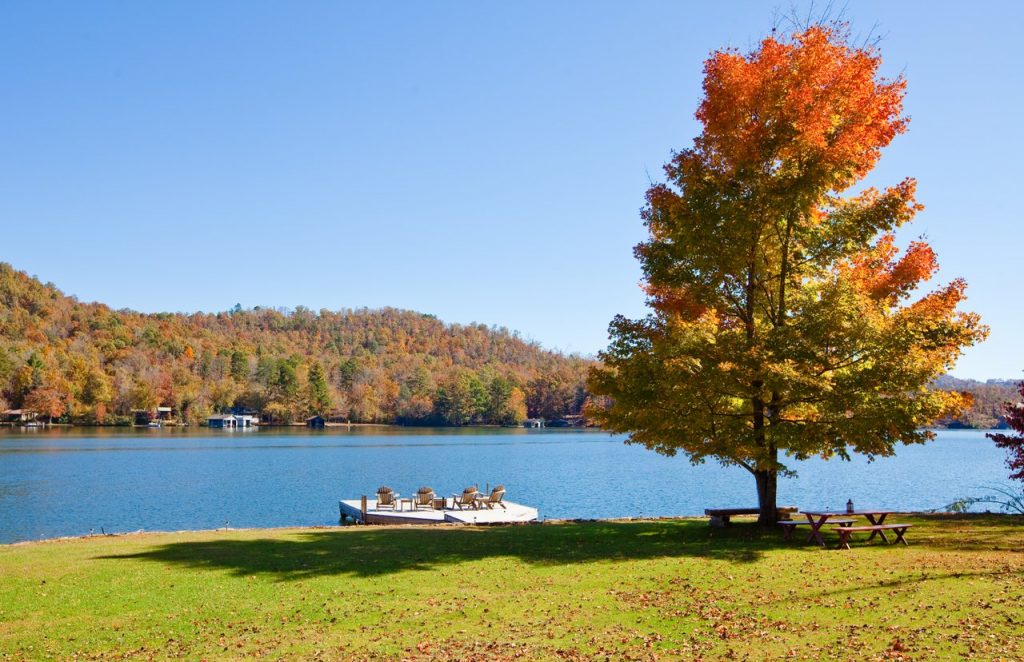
x=628 y=590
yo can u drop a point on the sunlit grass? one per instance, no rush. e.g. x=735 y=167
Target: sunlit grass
x=624 y=589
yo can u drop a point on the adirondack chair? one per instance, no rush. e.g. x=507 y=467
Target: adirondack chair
x=497 y=494
x=386 y=498
x=467 y=499
x=424 y=498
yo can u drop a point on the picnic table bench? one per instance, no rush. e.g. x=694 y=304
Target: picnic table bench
x=789 y=525
x=876 y=529
x=817 y=519
x=720 y=516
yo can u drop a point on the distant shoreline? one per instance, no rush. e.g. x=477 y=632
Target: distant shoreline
x=483 y=426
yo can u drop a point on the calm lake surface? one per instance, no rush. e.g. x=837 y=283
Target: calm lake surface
x=70 y=481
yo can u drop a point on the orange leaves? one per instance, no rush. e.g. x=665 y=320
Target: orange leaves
x=675 y=301
x=883 y=277
x=941 y=303
x=810 y=104
x=917 y=265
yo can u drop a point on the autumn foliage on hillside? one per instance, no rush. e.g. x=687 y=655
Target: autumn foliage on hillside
x=987 y=402
x=88 y=363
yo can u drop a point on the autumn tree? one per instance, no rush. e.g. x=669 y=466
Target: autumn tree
x=550 y=396
x=97 y=392
x=783 y=319
x=515 y=408
x=1013 y=444
x=142 y=396
x=47 y=401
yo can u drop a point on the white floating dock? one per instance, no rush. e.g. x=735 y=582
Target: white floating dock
x=512 y=513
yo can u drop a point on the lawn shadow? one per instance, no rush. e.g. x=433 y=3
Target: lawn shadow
x=380 y=550
x=372 y=550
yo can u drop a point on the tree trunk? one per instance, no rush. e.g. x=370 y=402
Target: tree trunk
x=767 y=483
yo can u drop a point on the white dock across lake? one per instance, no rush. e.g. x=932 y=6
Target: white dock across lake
x=512 y=513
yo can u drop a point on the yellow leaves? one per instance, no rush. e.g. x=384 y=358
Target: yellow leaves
x=954 y=403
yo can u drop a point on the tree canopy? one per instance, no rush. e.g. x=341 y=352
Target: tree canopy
x=783 y=318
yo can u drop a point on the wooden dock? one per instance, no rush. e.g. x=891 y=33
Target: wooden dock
x=513 y=513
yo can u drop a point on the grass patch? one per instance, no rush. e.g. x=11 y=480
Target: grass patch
x=557 y=591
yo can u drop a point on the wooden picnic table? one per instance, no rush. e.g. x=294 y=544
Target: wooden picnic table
x=818 y=519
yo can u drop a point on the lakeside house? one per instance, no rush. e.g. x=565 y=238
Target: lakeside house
x=18 y=416
x=568 y=421
x=231 y=421
x=220 y=421
x=316 y=422
x=160 y=414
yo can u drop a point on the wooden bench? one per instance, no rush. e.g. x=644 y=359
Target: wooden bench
x=846 y=531
x=720 y=516
x=788 y=525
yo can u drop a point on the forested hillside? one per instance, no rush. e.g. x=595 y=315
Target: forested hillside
x=87 y=363
x=986 y=411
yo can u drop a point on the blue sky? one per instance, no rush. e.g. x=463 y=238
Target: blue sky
x=479 y=161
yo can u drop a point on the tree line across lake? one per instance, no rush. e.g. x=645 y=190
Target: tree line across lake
x=88 y=364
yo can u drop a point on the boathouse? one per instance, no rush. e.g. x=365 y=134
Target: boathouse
x=220 y=421
x=18 y=416
x=244 y=420
x=231 y=421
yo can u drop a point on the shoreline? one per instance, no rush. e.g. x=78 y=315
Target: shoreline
x=354 y=527
x=482 y=426
x=339 y=527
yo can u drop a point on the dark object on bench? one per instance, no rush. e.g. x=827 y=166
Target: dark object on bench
x=720 y=516
x=788 y=526
x=846 y=531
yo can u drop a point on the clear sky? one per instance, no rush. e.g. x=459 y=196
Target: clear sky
x=479 y=161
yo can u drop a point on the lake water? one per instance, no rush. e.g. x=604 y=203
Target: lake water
x=70 y=482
